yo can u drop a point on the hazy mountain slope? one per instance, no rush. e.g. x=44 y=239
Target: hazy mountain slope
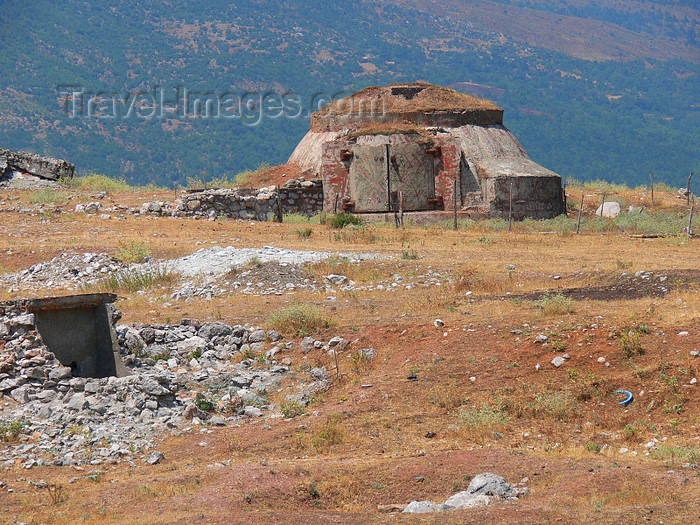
x=574 y=110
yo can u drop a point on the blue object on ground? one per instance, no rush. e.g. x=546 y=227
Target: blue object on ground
x=629 y=399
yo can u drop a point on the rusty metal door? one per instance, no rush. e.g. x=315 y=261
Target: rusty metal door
x=368 y=183
x=411 y=172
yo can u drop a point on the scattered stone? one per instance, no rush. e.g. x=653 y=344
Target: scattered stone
x=155 y=457
x=558 y=361
x=439 y=323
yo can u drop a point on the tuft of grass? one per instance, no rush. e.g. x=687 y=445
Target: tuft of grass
x=332 y=433
x=301 y=318
x=446 y=396
x=558 y=405
x=341 y=220
x=133 y=280
x=291 y=409
x=557 y=304
x=10 y=430
x=304 y=233
x=677 y=454
x=409 y=255
x=47 y=196
x=480 y=422
x=133 y=252
x=254 y=262
x=631 y=343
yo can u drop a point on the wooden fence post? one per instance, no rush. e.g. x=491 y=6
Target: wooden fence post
x=690 y=220
x=651 y=179
x=580 y=211
x=510 y=207
x=454 y=204
x=687 y=193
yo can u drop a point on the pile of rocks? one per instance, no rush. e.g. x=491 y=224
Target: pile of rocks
x=68 y=270
x=211 y=372
x=483 y=490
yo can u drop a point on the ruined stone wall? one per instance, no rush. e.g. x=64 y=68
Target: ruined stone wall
x=303 y=197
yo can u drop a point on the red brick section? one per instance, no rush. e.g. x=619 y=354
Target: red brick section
x=334 y=173
x=446 y=170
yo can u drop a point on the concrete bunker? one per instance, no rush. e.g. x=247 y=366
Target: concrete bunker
x=78 y=329
x=424 y=148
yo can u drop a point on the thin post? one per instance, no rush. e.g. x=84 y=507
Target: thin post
x=279 y=205
x=335 y=206
x=602 y=205
x=580 y=211
x=687 y=192
x=510 y=207
x=690 y=220
x=454 y=204
x=401 y=208
x=651 y=180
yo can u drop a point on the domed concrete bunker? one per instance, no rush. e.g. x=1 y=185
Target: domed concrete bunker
x=424 y=148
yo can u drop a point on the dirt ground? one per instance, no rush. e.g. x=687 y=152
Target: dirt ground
x=484 y=396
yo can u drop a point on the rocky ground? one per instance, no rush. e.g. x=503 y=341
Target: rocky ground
x=178 y=376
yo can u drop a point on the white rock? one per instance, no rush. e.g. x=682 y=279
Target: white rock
x=467 y=500
x=558 y=361
x=609 y=209
x=425 y=507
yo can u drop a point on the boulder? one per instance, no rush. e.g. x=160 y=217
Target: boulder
x=609 y=209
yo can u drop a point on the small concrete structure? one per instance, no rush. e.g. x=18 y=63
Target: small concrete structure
x=424 y=148
x=79 y=330
x=45 y=167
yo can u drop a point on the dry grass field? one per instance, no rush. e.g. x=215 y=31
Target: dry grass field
x=486 y=398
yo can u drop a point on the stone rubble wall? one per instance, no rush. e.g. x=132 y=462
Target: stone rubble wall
x=303 y=197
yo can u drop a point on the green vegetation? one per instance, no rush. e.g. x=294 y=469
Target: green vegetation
x=133 y=280
x=582 y=118
x=10 y=430
x=557 y=304
x=133 y=252
x=300 y=318
x=341 y=220
x=291 y=409
x=631 y=343
x=202 y=403
x=47 y=196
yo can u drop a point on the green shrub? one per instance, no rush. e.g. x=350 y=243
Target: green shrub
x=301 y=318
x=291 y=409
x=10 y=430
x=202 y=403
x=631 y=343
x=341 y=220
x=304 y=233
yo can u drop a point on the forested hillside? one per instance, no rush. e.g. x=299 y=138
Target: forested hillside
x=606 y=89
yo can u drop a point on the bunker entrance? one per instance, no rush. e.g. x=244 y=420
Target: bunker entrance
x=78 y=330
x=378 y=175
